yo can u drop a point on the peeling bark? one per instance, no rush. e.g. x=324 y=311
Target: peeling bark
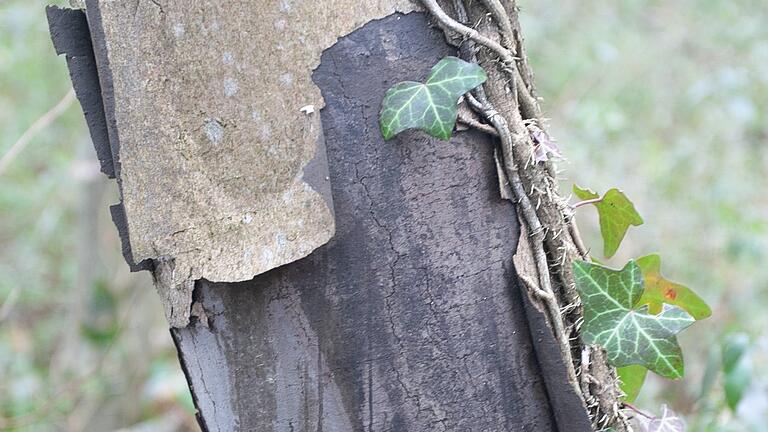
x=410 y=317
x=203 y=110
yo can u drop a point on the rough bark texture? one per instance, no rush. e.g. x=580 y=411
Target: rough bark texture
x=409 y=319
x=206 y=109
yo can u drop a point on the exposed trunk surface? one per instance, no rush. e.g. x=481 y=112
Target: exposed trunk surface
x=412 y=317
x=409 y=319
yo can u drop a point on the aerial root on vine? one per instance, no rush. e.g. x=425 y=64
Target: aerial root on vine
x=550 y=292
x=465 y=117
x=535 y=290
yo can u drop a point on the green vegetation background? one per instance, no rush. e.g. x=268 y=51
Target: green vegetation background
x=665 y=100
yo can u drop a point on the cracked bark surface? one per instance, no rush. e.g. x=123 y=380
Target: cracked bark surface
x=410 y=317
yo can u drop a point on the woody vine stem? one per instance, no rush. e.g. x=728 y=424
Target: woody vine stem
x=509 y=105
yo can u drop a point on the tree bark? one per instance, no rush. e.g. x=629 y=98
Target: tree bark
x=412 y=317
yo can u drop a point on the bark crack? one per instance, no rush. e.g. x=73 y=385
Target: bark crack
x=157 y=3
x=393 y=282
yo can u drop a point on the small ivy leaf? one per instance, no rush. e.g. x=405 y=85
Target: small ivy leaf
x=669 y=421
x=737 y=382
x=432 y=106
x=616 y=213
x=629 y=336
x=659 y=290
x=632 y=378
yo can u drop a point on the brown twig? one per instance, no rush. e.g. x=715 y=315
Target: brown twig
x=468 y=32
x=531 y=286
x=41 y=123
x=516 y=144
x=502 y=20
x=637 y=410
x=528 y=104
x=536 y=232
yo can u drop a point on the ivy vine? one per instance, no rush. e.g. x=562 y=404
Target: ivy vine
x=633 y=313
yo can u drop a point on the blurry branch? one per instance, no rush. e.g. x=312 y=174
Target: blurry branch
x=40 y=124
x=9 y=302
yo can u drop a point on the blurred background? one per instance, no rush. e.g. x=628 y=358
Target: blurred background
x=83 y=343
x=665 y=100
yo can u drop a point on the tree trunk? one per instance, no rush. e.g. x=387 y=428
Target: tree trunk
x=412 y=316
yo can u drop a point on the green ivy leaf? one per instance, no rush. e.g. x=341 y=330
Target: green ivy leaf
x=659 y=290
x=628 y=335
x=737 y=368
x=433 y=106
x=632 y=378
x=585 y=194
x=737 y=382
x=616 y=213
x=734 y=348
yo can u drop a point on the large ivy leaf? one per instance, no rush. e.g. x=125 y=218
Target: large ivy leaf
x=659 y=290
x=616 y=213
x=432 y=106
x=631 y=380
x=628 y=335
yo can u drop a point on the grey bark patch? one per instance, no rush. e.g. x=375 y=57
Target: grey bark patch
x=166 y=83
x=121 y=224
x=409 y=318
